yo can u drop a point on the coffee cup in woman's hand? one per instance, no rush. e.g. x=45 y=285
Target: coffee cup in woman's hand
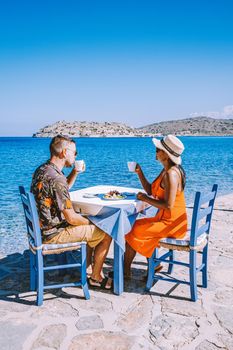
x=131 y=166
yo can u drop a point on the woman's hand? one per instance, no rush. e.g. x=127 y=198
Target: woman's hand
x=141 y=196
x=138 y=169
x=145 y=184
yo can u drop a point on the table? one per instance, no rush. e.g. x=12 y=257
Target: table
x=115 y=217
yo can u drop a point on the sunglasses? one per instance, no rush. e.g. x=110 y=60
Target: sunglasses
x=75 y=152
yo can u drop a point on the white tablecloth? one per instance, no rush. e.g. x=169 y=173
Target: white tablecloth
x=115 y=217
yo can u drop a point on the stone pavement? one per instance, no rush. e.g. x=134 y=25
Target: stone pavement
x=163 y=319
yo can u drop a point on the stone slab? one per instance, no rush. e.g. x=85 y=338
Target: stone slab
x=50 y=337
x=13 y=334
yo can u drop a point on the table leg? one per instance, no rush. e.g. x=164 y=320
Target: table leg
x=118 y=269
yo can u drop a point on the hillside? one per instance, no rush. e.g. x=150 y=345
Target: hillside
x=191 y=126
x=199 y=126
x=85 y=129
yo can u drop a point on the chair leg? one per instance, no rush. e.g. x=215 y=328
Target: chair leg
x=151 y=270
x=171 y=257
x=40 y=278
x=33 y=272
x=62 y=260
x=193 y=274
x=204 y=270
x=84 y=273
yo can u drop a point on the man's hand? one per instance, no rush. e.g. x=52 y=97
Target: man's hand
x=141 y=196
x=74 y=218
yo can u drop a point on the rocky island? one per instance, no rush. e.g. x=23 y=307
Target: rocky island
x=198 y=126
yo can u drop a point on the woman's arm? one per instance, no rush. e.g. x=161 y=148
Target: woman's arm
x=145 y=184
x=170 y=182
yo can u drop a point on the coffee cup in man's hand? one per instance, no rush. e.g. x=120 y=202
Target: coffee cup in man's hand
x=80 y=165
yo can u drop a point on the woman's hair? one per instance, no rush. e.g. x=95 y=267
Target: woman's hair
x=58 y=143
x=182 y=173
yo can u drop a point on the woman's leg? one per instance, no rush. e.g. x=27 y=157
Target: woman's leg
x=129 y=256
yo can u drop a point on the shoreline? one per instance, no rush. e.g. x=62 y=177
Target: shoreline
x=132 y=136
x=220 y=207
x=112 y=136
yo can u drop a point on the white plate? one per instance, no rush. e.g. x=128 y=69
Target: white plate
x=113 y=198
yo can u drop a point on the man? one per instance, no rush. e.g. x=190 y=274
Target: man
x=58 y=221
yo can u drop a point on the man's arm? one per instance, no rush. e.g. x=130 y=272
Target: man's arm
x=62 y=198
x=72 y=177
x=74 y=218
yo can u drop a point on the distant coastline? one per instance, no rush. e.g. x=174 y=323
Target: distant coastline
x=199 y=126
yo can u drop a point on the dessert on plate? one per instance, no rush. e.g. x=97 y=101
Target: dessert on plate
x=114 y=195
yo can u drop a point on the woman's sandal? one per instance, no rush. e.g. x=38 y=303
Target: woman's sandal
x=104 y=284
x=111 y=274
x=110 y=281
x=158 y=268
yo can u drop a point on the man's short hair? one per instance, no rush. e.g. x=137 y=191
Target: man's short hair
x=58 y=143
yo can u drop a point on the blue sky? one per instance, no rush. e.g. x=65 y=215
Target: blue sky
x=137 y=62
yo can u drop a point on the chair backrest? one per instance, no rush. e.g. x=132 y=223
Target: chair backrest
x=31 y=217
x=202 y=212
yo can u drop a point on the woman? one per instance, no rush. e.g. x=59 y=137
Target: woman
x=165 y=193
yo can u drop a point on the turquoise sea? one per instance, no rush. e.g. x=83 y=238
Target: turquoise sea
x=207 y=160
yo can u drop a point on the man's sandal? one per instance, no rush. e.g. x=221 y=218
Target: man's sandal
x=104 y=284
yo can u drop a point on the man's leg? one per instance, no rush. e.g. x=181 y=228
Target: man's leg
x=100 y=253
x=89 y=259
x=96 y=239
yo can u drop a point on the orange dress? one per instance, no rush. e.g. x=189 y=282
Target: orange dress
x=146 y=233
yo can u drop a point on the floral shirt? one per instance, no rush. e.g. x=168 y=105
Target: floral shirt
x=51 y=192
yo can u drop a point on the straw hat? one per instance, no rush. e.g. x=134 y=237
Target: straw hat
x=172 y=146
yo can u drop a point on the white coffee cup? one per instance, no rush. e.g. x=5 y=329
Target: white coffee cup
x=131 y=166
x=80 y=165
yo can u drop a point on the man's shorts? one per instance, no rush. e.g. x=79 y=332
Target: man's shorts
x=71 y=234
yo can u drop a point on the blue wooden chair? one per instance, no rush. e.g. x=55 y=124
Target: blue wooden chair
x=38 y=251
x=198 y=242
